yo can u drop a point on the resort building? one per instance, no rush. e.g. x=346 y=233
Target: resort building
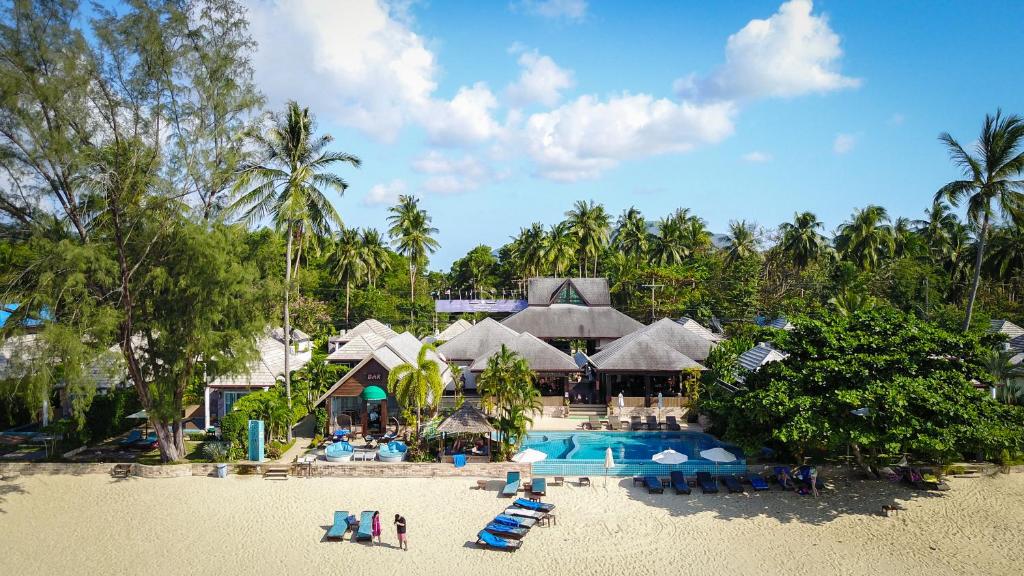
x=696 y=327
x=263 y=373
x=474 y=343
x=758 y=356
x=555 y=369
x=453 y=330
x=363 y=328
x=360 y=397
x=352 y=352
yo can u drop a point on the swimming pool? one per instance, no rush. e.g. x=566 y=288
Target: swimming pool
x=583 y=453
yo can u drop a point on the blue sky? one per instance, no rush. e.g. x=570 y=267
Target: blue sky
x=499 y=114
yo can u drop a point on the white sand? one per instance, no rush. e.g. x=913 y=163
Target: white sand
x=245 y=525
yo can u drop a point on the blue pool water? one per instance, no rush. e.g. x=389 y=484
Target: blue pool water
x=584 y=452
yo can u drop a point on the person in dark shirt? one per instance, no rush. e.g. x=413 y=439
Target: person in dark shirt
x=403 y=539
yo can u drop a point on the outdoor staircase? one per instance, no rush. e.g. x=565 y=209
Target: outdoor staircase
x=278 y=472
x=586 y=410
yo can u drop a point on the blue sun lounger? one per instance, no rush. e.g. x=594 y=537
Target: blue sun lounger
x=340 y=526
x=707 y=483
x=365 y=530
x=506 y=531
x=733 y=484
x=539 y=486
x=515 y=521
x=511 y=484
x=653 y=485
x=758 y=482
x=679 y=482
x=487 y=540
x=517 y=512
x=530 y=505
x=132 y=437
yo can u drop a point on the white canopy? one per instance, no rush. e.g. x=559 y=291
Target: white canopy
x=528 y=456
x=718 y=454
x=669 y=457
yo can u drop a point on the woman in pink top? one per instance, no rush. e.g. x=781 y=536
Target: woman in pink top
x=376 y=525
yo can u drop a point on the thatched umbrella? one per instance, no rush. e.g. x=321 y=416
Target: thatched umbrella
x=466 y=420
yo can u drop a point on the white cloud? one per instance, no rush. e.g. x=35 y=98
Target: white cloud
x=574 y=10
x=583 y=138
x=386 y=193
x=359 y=63
x=791 y=53
x=447 y=175
x=541 y=81
x=757 y=157
x=843 y=143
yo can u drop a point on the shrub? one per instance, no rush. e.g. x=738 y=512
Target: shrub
x=234 y=430
x=321 y=420
x=317 y=440
x=106 y=416
x=197 y=437
x=216 y=451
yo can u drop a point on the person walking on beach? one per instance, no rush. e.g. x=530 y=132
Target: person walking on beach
x=403 y=538
x=376 y=525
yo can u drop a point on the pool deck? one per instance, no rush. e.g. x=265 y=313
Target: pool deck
x=551 y=424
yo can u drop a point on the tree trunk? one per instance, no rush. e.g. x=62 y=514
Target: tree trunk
x=348 y=286
x=860 y=458
x=287 y=327
x=977 y=273
x=412 y=294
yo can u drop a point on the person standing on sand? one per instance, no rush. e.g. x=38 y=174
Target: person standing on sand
x=376 y=525
x=403 y=539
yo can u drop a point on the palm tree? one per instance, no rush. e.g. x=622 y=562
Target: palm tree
x=529 y=250
x=937 y=229
x=375 y=256
x=631 y=235
x=417 y=385
x=349 y=261
x=694 y=235
x=667 y=246
x=560 y=247
x=287 y=182
x=410 y=233
x=999 y=368
x=849 y=302
x=992 y=182
x=867 y=238
x=743 y=241
x=801 y=243
x=1006 y=256
x=591 y=224
x=506 y=387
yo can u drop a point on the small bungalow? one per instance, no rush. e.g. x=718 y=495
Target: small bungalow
x=453 y=330
x=467 y=431
x=365 y=327
x=353 y=351
x=555 y=369
x=779 y=323
x=640 y=366
x=360 y=396
x=1007 y=328
x=759 y=355
x=697 y=328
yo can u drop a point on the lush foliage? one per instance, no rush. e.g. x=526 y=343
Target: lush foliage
x=417 y=386
x=507 y=389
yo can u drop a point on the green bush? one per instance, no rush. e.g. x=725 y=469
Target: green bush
x=216 y=451
x=197 y=437
x=234 y=428
x=321 y=420
x=106 y=416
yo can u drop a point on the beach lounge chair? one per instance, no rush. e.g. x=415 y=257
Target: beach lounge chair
x=340 y=526
x=653 y=485
x=531 y=505
x=511 y=484
x=635 y=424
x=515 y=521
x=614 y=423
x=594 y=422
x=517 y=512
x=539 y=486
x=672 y=424
x=652 y=423
x=758 y=482
x=679 y=483
x=132 y=437
x=558 y=481
x=733 y=484
x=506 y=531
x=365 y=530
x=784 y=477
x=707 y=483
x=485 y=539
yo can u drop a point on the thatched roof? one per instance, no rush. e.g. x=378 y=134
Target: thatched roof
x=568 y=321
x=477 y=340
x=466 y=420
x=695 y=327
x=760 y=355
x=541 y=356
x=594 y=291
x=641 y=352
x=358 y=348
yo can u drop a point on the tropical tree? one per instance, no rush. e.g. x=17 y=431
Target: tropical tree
x=867 y=238
x=529 y=250
x=288 y=182
x=1006 y=256
x=349 y=261
x=801 y=242
x=591 y=224
x=937 y=230
x=375 y=256
x=743 y=241
x=992 y=182
x=1000 y=369
x=667 y=246
x=694 y=235
x=631 y=235
x=560 y=247
x=506 y=388
x=417 y=385
x=412 y=235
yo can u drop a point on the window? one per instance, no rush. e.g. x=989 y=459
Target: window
x=230 y=398
x=568 y=294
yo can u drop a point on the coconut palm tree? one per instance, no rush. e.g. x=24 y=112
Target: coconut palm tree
x=560 y=247
x=849 y=302
x=287 y=182
x=667 y=246
x=529 y=250
x=506 y=388
x=375 y=255
x=999 y=369
x=937 y=229
x=801 y=242
x=411 y=233
x=694 y=235
x=631 y=235
x=1005 y=258
x=591 y=224
x=417 y=385
x=349 y=261
x=992 y=182
x=867 y=238
x=743 y=241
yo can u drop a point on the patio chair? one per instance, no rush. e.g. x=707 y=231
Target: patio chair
x=515 y=521
x=707 y=483
x=365 y=530
x=558 y=481
x=614 y=423
x=518 y=512
x=340 y=526
x=530 y=505
x=512 y=480
x=506 y=531
x=594 y=422
x=733 y=484
x=132 y=437
x=758 y=482
x=485 y=539
x=538 y=487
x=635 y=424
x=653 y=485
x=679 y=483
x=672 y=424
x=652 y=422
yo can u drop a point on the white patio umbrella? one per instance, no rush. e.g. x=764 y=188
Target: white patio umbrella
x=661 y=403
x=717 y=455
x=622 y=403
x=669 y=457
x=609 y=463
x=529 y=456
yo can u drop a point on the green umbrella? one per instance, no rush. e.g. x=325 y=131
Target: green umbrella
x=374 y=393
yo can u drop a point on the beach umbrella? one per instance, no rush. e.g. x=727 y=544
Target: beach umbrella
x=661 y=403
x=140 y=415
x=669 y=457
x=622 y=403
x=717 y=455
x=609 y=463
x=529 y=456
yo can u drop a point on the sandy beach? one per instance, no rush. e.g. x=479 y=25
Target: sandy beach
x=245 y=525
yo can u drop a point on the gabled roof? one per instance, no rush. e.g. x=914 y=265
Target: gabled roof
x=760 y=355
x=265 y=370
x=779 y=323
x=695 y=327
x=365 y=327
x=358 y=348
x=567 y=321
x=453 y=330
x=477 y=340
x=400 y=349
x=594 y=291
x=677 y=337
x=1017 y=343
x=541 y=356
x=641 y=352
x=1006 y=327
